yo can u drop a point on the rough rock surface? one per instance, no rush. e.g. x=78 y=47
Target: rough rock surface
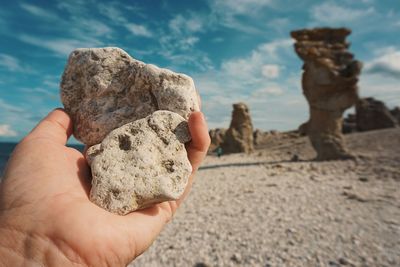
x=330 y=86
x=239 y=136
x=104 y=88
x=372 y=114
x=217 y=137
x=141 y=163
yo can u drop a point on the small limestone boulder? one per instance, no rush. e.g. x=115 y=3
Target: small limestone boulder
x=141 y=163
x=104 y=88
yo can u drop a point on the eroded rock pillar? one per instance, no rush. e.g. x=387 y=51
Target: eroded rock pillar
x=239 y=136
x=330 y=76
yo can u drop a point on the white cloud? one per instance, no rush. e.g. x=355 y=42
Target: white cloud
x=385 y=88
x=270 y=71
x=191 y=23
x=139 y=30
x=178 y=42
x=332 y=13
x=243 y=79
x=9 y=62
x=116 y=16
x=5 y=130
x=273 y=90
x=5 y=107
x=271 y=48
x=39 y=12
x=251 y=70
x=230 y=13
x=92 y=26
x=386 y=63
x=62 y=47
x=237 y=7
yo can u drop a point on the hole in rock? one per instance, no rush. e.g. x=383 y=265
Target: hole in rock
x=124 y=142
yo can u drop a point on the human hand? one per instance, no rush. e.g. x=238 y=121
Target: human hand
x=46 y=217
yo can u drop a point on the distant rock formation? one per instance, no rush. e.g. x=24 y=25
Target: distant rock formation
x=330 y=86
x=259 y=136
x=239 y=136
x=396 y=113
x=265 y=139
x=372 y=114
x=217 y=138
x=349 y=124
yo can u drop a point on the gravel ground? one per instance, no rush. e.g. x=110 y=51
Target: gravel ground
x=264 y=209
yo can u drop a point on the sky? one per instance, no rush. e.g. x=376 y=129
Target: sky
x=235 y=50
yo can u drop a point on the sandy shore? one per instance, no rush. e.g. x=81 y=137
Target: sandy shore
x=266 y=210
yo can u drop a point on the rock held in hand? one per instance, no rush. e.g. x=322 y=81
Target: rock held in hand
x=104 y=88
x=141 y=163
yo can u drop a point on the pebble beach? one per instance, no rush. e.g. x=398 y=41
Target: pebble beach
x=278 y=207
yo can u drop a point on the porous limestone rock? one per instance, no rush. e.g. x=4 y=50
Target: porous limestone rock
x=239 y=136
x=372 y=114
x=141 y=163
x=329 y=84
x=104 y=88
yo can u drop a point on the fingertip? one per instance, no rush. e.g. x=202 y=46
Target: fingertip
x=199 y=131
x=56 y=125
x=60 y=117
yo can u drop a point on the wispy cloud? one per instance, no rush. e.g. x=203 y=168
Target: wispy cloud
x=332 y=13
x=387 y=63
x=10 y=63
x=92 y=26
x=178 y=41
x=255 y=79
x=270 y=71
x=382 y=87
x=253 y=69
x=6 y=131
x=38 y=12
x=230 y=14
x=114 y=13
x=139 y=30
x=273 y=89
x=78 y=27
x=6 y=107
x=190 y=24
x=239 y=7
x=62 y=47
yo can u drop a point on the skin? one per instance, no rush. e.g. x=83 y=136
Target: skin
x=46 y=218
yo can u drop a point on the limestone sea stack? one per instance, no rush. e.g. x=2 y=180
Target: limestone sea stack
x=330 y=76
x=133 y=116
x=104 y=88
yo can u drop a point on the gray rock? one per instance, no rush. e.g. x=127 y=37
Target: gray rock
x=104 y=88
x=141 y=163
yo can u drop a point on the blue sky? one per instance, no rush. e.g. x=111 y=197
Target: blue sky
x=234 y=50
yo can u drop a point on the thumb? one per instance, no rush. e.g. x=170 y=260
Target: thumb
x=56 y=127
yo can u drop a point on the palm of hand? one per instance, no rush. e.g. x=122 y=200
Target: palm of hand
x=49 y=183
